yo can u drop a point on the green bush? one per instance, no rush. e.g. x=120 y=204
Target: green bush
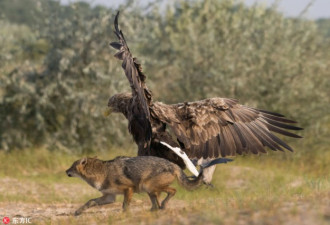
x=190 y=50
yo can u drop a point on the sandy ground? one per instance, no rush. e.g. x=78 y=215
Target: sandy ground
x=44 y=212
x=305 y=214
x=179 y=211
x=55 y=213
x=50 y=213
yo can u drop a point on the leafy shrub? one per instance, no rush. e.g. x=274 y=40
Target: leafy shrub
x=192 y=50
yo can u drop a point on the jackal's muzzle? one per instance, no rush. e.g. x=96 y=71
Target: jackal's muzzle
x=68 y=172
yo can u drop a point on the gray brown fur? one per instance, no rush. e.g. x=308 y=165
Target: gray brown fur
x=128 y=175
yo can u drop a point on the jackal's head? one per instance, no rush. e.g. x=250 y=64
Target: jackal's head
x=85 y=167
x=77 y=167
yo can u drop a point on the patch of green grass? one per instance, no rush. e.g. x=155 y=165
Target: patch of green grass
x=266 y=187
x=37 y=163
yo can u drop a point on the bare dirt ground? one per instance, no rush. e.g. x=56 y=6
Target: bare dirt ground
x=199 y=211
x=63 y=214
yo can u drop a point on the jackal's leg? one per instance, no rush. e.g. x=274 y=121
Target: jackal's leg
x=105 y=199
x=170 y=193
x=128 y=193
x=154 y=200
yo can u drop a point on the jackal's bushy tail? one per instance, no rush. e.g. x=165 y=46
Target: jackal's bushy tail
x=187 y=183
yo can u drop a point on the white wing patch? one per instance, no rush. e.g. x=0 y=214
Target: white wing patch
x=183 y=155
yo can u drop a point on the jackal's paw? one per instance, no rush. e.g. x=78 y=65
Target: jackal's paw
x=78 y=212
x=153 y=209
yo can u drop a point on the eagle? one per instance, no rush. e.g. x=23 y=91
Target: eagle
x=204 y=130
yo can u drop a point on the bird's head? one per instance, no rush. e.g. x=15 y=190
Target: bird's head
x=118 y=103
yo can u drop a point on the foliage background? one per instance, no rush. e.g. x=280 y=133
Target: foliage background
x=57 y=70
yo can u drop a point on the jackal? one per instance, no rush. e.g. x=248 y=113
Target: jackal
x=128 y=175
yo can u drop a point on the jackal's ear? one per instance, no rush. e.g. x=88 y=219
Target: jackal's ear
x=83 y=161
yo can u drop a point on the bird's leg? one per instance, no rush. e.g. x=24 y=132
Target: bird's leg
x=209 y=185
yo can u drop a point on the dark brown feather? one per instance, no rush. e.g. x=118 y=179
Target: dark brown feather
x=138 y=113
x=206 y=128
x=116 y=45
x=237 y=128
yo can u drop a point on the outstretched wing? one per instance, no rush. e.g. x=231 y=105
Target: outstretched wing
x=139 y=115
x=219 y=126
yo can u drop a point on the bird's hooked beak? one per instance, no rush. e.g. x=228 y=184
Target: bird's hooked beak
x=108 y=111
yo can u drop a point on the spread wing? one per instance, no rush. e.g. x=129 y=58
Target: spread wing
x=139 y=115
x=219 y=126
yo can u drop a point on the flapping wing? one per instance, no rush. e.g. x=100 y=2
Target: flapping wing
x=139 y=115
x=220 y=126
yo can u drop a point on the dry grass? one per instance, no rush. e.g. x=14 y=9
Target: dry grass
x=269 y=189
